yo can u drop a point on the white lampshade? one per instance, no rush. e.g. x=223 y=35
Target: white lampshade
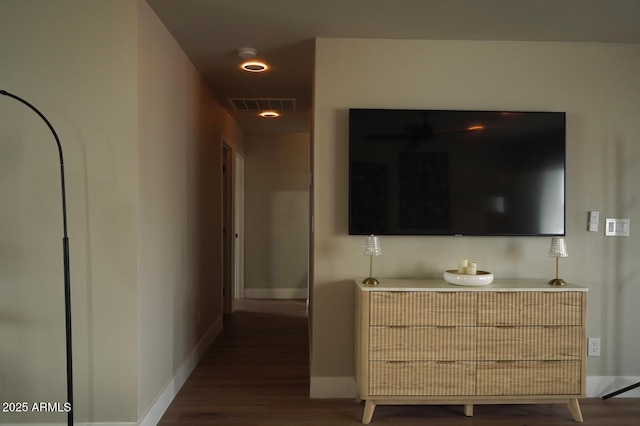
x=558 y=248
x=372 y=246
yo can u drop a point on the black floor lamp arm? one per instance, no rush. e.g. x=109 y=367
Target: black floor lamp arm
x=65 y=246
x=623 y=390
x=55 y=135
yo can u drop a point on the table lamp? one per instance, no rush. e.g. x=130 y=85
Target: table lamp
x=371 y=248
x=558 y=249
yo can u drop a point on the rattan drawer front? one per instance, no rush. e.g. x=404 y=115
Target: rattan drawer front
x=423 y=308
x=422 y=343
x=422 y=378
x=530 y=343
x=529 y=378
x=530 y=308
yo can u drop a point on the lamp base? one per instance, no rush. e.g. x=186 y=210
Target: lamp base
x=557 y=281
x=370 y=281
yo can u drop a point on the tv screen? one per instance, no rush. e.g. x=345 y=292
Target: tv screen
x=443 y=172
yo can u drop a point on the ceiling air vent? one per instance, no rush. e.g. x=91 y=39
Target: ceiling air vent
x=263 y=104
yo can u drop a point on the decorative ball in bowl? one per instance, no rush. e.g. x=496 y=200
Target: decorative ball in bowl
x=481 y=278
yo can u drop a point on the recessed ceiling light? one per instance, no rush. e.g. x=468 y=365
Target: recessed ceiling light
x=254 y=66
x=269 y=114
x=250 y=64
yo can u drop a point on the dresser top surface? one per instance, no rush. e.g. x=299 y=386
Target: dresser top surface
x=510 y=285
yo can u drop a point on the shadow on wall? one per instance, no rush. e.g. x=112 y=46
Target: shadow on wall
x=621 y=285
x=333 y=319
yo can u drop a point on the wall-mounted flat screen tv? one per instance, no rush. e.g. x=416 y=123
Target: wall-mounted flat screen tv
x=443 y=172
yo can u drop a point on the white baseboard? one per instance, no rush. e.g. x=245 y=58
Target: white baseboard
x=275 y=293
x=101 y=424
x=157 y=410
x=598 y=386
x=345 y=387
x=74 y=422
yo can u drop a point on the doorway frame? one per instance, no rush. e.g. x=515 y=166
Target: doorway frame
x=233 y=170
x=238 y=226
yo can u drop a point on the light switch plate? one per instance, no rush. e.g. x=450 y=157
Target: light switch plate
x=617 y=227
x=594 y=219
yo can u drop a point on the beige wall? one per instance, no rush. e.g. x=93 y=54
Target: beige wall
x=142 y=142
x=276 y=214
x=596 y=84
x=66 y=59
x=180 y=135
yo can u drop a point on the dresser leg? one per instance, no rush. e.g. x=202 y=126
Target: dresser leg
x=369 y=408
x=468 y=410
x=574 y=409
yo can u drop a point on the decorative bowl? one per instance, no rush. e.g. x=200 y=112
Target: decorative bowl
x=481 y=278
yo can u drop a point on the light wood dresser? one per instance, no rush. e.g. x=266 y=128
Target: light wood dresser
x=430 y=342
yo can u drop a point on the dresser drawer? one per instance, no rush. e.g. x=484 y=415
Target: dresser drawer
x=529 y=378
x=402 y=343
x=530 y=343
x=530 y=308
x=423 y=308
x=422 y=378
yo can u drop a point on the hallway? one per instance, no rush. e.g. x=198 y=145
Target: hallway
x=257 y=373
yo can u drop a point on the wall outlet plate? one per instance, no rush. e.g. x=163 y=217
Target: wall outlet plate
x=593 y=346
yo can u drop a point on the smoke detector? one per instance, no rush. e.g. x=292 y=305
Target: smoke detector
x=249 y=53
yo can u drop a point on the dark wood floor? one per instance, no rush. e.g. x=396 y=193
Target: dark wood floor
x=257 y=373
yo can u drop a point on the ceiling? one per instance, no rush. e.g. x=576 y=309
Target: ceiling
x=211 y=31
